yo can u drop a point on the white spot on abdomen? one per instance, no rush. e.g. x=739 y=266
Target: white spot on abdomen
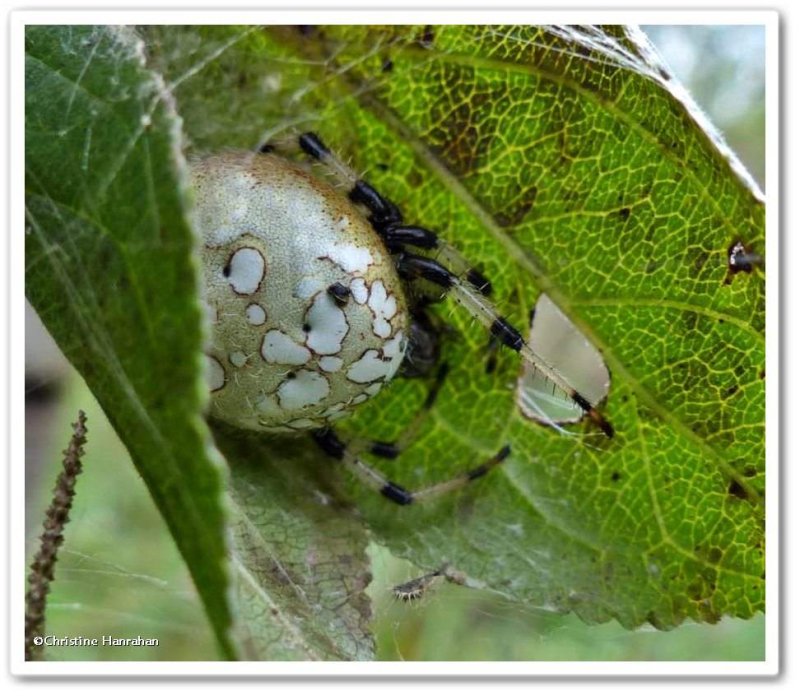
x=374 y=365
x=268 y=406
x=330 y=363
x=237 y=358
x=304 y=389
x=349 y=258
x=369 y=367
x=335 y=408
x=359 y=291
x=384 y=307
x=215 y=373
x=304 y=423
x=245 y=270
x=373 y=389
x=279 y=348
x=255 y=314
x=328 y=326
x=395 y=348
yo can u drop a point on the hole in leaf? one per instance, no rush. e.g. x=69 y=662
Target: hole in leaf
x=559 y=342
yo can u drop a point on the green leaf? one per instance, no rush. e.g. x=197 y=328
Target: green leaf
x=565 y=160
x=109 y=268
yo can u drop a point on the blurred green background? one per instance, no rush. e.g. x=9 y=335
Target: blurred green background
x=120 y=574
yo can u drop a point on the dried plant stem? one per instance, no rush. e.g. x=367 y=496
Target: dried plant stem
x=57 y=516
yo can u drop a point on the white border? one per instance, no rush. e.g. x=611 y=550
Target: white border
x=369 y=16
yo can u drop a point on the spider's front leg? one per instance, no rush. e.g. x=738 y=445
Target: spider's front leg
x=414 y=266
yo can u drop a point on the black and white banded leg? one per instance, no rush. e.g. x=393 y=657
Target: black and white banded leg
x=333 y=446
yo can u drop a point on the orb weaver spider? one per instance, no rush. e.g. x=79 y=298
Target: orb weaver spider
x=314 y=304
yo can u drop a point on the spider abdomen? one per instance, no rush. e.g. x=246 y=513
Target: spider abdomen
x=308 y=313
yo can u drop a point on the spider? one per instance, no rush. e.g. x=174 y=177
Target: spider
x=318 y=300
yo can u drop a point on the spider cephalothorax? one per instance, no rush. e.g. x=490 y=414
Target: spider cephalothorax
x=312 y=299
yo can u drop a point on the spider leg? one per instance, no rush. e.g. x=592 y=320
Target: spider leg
x=330 y=443
x=413 y=266
x=392 y=450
